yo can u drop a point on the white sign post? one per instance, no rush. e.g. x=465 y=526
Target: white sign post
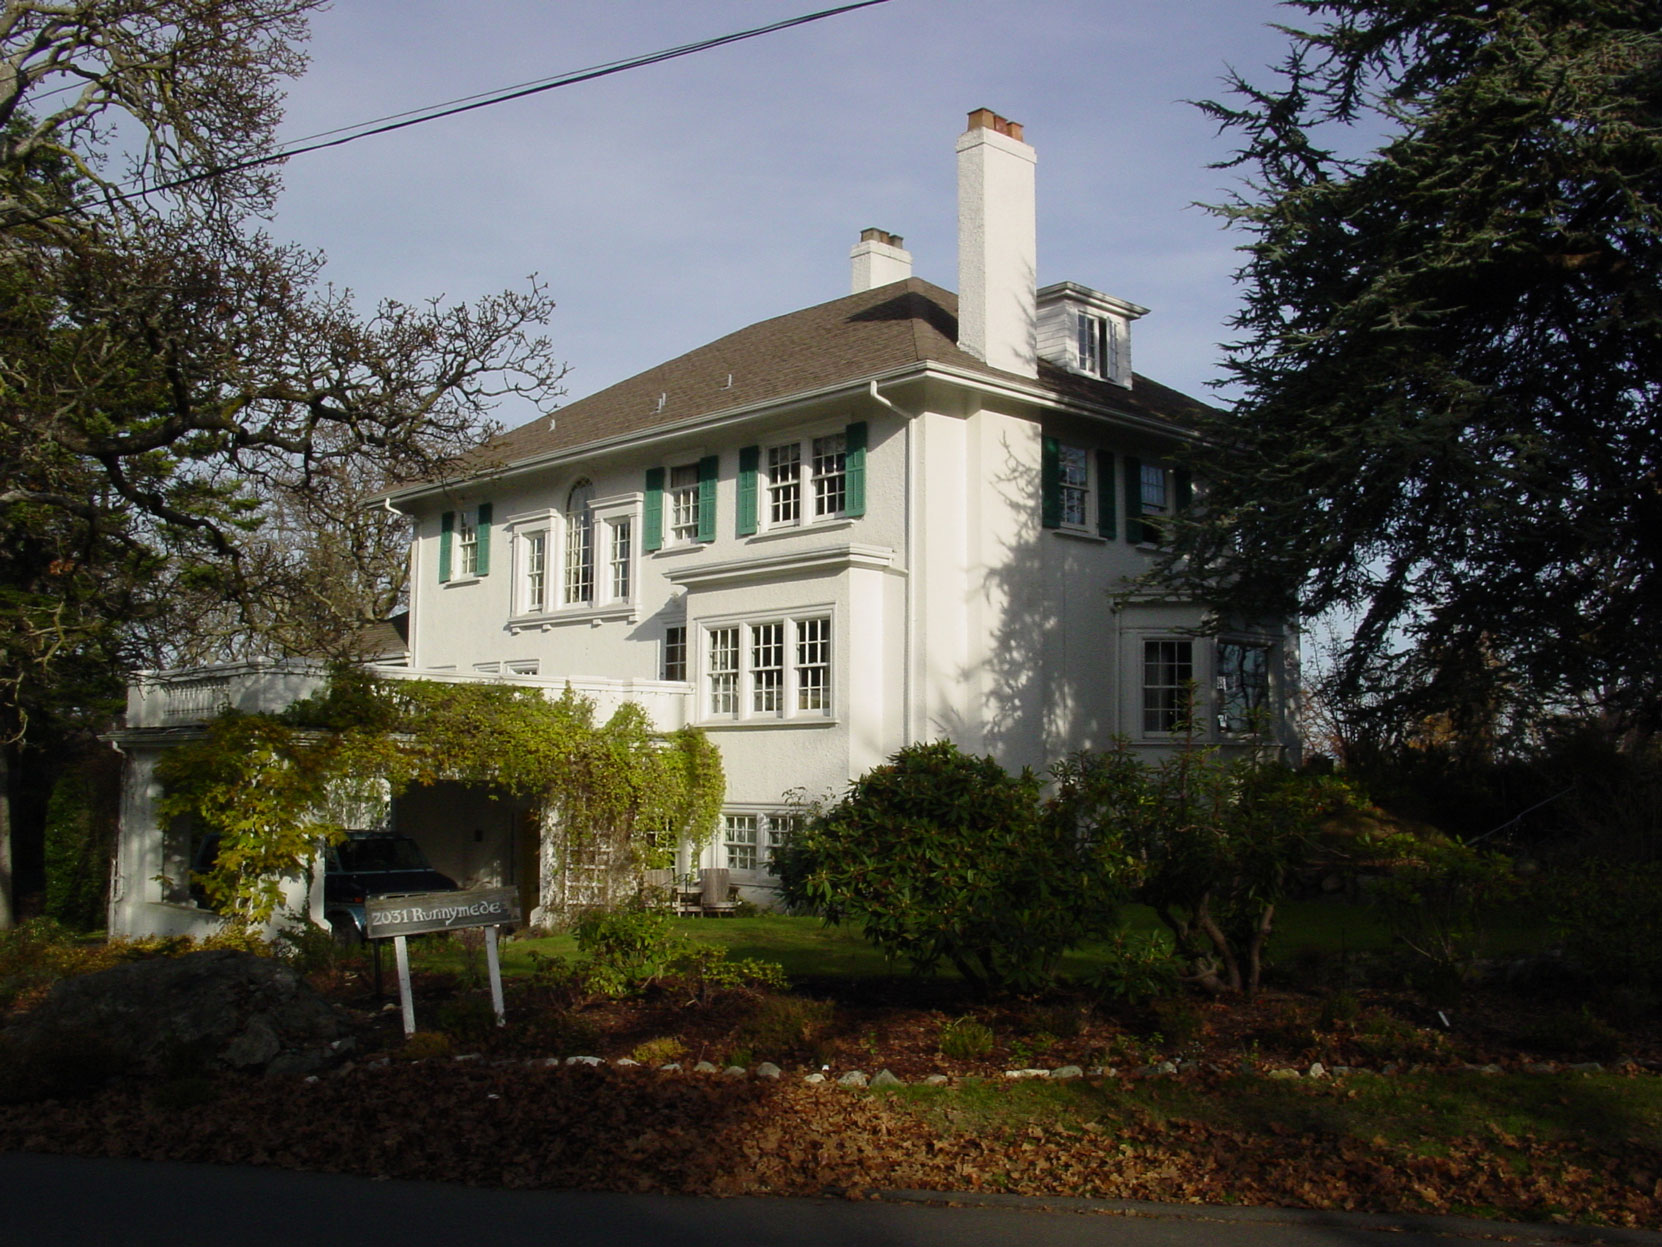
x=397 y=917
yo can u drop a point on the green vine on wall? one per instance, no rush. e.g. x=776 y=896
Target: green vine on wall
x=263 y=783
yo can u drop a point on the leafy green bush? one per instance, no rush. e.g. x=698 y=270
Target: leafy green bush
x=1437 y=902
x=784 y=1025
x=81 y=820
x=965 y=1039
x=628 y=948
x=1140 y=968
x=1211 y=843
x=1608 y=916
x=945 y=857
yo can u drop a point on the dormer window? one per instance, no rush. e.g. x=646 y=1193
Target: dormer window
x=1086 y=331
x=1099 y=346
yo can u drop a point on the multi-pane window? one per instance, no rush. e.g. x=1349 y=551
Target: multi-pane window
x=780 y=828
x=813 y=664
x=683 y=503
x=785 y=484
x=722 y=671
x=1243 y=682
x=1098 y=346
x=675 y=652
x=467 y=545
x=1074 y=484
x=777 y=668
x=579 y=584
x=621 y=558
x=739 y=832
x=829 y=476
x=767 y=667
x=536 y=570
x=1168 y=685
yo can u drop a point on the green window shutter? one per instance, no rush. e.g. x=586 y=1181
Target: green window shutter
x=484 y=538
x=1050 y=482
x=1106 y=516
x=708 y=467
x=750 y=459
x=854 y=469
x=447 y=534
x=652 y=516
x=1134 y=499
x=1184 y=484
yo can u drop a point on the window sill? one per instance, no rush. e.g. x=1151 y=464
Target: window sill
x=1082 y=534
x=627 y=611
x=458 y=581
x=741 y=725
x=680 y=547
x=829 y=524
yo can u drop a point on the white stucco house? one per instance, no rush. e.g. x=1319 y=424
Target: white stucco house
x=896 y=516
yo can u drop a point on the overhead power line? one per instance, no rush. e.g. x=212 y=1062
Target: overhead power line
x=416 y=117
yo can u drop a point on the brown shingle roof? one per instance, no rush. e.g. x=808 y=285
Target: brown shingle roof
x=835 y=343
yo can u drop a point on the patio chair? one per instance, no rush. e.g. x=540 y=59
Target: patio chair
x=658 y=887
x=716 y=892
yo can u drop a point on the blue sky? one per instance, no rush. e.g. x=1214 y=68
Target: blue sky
x=669 y=205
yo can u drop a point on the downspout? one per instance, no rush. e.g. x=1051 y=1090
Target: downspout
x=909 y=693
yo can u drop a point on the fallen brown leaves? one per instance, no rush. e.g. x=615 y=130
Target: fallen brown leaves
x=606 y=1128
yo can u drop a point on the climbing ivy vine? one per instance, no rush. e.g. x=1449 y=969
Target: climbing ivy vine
x=263 y=783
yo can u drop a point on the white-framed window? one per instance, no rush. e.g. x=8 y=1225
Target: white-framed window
x=1154 y=489
x=1074 y=485
x=740 y=838
x=467 y=545
x=813 y=664
x=1098 y=345
x=784 y=484
x=1242 y=678
x=579 y=523
x=778 y=829
x=682 y=501
x=772 y=668
x=522 y=666
x=721 y=671
x=675 y=652
x=621 y=557
x=534 y=571
x=767 y=668
x=1168 y=685
x=829 y=475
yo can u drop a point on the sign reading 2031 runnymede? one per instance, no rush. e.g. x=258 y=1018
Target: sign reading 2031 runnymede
x=419 y=912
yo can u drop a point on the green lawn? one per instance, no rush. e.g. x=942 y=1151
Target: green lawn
x=806 y=946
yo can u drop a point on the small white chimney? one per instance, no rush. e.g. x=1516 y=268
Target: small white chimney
x=997 y=245
x=879 y=260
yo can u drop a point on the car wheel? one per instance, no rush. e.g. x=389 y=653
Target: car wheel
x=345 y=931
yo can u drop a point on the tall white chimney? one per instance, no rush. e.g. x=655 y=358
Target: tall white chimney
x=878 y=260
x=997 y=245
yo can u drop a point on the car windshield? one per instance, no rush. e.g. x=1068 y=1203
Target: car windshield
x=381 y=853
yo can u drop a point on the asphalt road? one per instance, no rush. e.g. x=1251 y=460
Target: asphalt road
x=52 y=1201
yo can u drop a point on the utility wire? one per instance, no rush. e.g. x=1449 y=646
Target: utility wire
x=400 y=121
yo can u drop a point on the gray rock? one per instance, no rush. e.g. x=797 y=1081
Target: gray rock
x=1281 y=1075
x=1316 y=1070
x=1585 y=1067
x=706 y=1067
x=935 y=1080
x=854 y=1078
x=735 y=1071
x=584 y=1060
x=767 y=1069
x=814 y=1080
x=1026 y=1073
x=215 y=1010
x=886 y=1079
x=1066 y=1072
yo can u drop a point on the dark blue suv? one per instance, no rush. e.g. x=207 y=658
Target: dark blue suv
x=372 y=863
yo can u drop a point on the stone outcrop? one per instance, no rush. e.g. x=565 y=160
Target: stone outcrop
x=215 y=1010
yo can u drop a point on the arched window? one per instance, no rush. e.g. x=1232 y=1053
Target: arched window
x=579 y=544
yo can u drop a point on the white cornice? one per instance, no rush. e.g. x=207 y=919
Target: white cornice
x=784 y=564
x=1006 y=386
